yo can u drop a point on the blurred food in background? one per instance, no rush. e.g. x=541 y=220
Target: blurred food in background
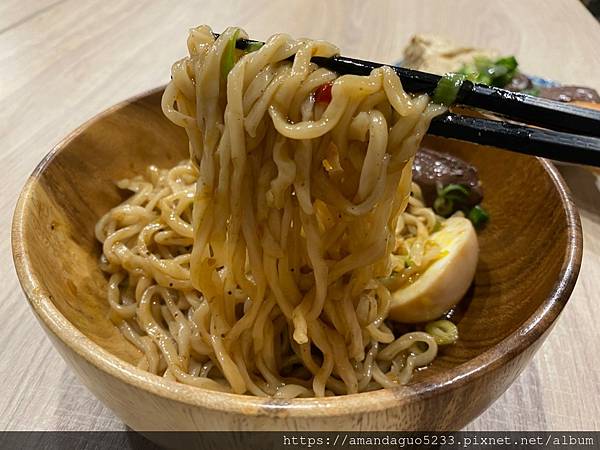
x=488 y=66
x=436 y=54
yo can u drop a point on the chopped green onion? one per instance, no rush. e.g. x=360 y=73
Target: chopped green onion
x=228 y=59
x=509 y=62
x=443 y=206
x=447 y=88
x=253 y=46
x=437 y=226
x=443 y=331
x=454 y=197
x=457 y=192
x=449 y=196
x=478 y=216
x=494 y=73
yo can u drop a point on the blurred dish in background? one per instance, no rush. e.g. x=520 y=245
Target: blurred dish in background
x=439 y=55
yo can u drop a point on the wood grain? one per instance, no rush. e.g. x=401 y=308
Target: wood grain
x=520 y=287
x=62 y=63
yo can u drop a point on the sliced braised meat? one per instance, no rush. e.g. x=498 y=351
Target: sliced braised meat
x=432 y=168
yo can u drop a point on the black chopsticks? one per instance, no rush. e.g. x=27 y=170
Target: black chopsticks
x=522 y=107
x=569 y=133
x=557 y=145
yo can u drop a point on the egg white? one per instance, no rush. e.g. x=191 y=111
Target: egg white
x=443 y=284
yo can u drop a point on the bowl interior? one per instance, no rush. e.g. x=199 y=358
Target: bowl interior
x=523 y=247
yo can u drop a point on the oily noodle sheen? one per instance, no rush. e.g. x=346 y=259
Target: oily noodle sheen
x=262 y=264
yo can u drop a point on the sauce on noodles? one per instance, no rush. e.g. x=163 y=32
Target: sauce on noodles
x=263 y=264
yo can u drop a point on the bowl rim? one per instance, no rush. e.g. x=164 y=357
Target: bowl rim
x=534 y=327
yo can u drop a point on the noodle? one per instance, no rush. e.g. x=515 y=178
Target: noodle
x=264 y=264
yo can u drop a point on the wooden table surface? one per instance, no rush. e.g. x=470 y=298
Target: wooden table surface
x=62 y=62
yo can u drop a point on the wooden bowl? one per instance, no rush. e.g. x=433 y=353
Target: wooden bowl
x=530 y=258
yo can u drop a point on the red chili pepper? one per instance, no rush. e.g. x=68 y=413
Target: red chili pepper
x=323 y=93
